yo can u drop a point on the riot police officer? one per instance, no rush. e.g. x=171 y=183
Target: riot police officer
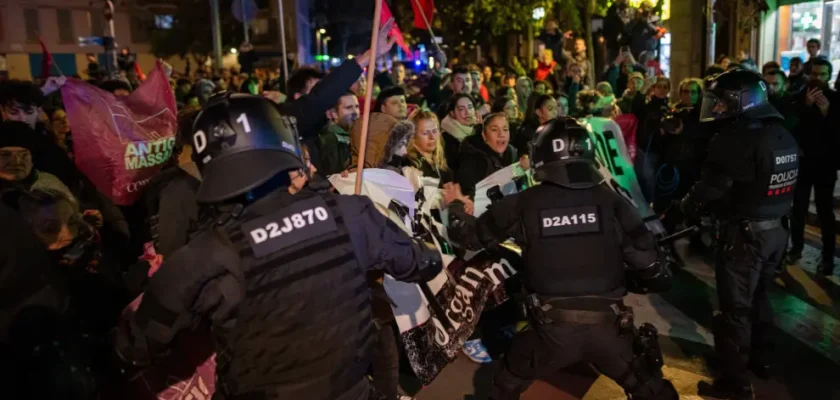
x=577 y=235
x=747 y=182
x=281 y=277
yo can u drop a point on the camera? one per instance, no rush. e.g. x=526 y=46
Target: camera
x=673 y=120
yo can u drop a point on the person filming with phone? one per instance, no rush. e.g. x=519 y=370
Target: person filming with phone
x=819 y=121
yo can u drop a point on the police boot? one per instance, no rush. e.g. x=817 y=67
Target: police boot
x=732 y=389
x=507 y=386
x=732 y=384
x=667 y=391
x=760 y=350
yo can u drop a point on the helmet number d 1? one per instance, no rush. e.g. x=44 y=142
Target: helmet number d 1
x=243 y=120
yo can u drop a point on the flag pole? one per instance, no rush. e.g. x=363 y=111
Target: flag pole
x=426 y=21
x=371 y=73
x=283 y=42
x=431 y=33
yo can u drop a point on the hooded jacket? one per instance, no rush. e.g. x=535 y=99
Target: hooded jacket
x=384 y=132
x=478 y=161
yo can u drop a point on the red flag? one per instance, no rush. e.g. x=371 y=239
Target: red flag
x=122 y=142
x=395 y=31
x=423 y=8
x=46 y=60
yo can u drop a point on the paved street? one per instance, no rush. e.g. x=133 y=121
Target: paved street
x=808 y=337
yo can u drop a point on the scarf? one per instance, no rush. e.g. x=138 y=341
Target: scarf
x=456 y=129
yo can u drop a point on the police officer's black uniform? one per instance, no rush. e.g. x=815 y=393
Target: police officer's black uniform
x=577 y=235
x=747 y=181
x=281 y=277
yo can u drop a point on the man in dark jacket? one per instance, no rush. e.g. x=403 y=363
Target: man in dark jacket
x=313 y=96
x=334 y=138
x=817 y=137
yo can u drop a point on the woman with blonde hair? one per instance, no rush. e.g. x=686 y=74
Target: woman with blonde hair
x=425 y=151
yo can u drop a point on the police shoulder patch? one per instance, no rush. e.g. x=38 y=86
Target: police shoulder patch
x=570 y=221
x=785 y=172
x=293 y=224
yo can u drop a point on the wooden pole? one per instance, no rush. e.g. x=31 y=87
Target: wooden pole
x=283 y=42
x=371 y=73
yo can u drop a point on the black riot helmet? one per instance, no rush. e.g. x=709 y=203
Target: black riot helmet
x=562 y=152
x=736 y=93
x=240 y=142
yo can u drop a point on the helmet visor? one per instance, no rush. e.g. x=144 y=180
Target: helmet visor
x=716 y=107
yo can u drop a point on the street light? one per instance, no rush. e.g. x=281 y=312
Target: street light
x=538 y=14
x=326 y=52
x=318 y=34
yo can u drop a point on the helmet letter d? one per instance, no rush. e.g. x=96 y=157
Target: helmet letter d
x=199 y=141
x=558 y=145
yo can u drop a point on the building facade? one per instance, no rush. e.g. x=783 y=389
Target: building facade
x=60 y=24
x=788 y=26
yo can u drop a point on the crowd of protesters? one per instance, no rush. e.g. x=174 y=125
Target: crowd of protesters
x=73 y=252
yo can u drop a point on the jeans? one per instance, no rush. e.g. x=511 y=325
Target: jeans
x=823 y=183
x=645 y=166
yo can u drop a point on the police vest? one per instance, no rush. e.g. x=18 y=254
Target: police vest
x=770 y=194
x=573 y=245
x=304 y=327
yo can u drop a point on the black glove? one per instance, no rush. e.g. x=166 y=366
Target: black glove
x=690 y=211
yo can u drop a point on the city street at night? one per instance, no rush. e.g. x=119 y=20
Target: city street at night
x=807 y=310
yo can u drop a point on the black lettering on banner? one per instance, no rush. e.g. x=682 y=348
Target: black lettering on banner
x=296 y=223
x=570 y=221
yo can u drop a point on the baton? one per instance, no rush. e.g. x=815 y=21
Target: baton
x=679 y=235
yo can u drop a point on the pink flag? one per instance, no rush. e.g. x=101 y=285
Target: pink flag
x=122 y=142
x=395 y=31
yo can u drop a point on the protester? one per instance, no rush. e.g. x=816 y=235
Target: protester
x=542 y=108
x=392 y=101
x=18 y=143
x=23 y=101
x=508 y=106
x=818 y=140
x=425 y=152
x=334 y=138
x=457 y=126
x=170 y=198
x=481 y=155
x=797 y=78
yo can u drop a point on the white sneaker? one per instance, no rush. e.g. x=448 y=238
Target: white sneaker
x=476 y=351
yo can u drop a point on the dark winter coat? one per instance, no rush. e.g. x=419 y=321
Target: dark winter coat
x=478 y=161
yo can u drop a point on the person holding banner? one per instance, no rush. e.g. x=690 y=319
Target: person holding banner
x=574 y=294
x=280 y=276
